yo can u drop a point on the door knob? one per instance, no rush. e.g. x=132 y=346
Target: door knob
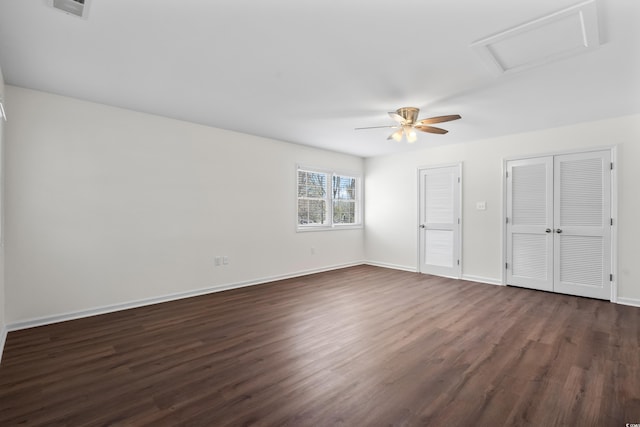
x=548 y=230
x=423 y=226
x=558 y=230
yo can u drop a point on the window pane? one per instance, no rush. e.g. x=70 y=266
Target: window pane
x=312 y=212
x=344 y=187
x=312 y=184
x=344 y=212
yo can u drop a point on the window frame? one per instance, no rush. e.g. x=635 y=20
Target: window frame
x=331 y=225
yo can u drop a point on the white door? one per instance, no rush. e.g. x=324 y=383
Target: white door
x=530 y=223
x=559 y=224
x=439 y=232
x=582 y=221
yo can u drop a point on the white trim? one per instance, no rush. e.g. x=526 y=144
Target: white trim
x=503 y=228
x=3 y=340
x=47 y=320
x=629 y=301
x=392 y=266
x=614 y=227
x=559 y=153
x=461 y=220
x=304 y=229
x=480 y=279
x=441 y=165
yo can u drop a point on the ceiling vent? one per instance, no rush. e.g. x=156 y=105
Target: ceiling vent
x=78 y=8
x=561 y=34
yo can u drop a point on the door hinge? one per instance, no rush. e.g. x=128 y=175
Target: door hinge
x=458 y=220
x=507 y=220
x=611 y=165
x=458 y=180
x=506 y=265
x=611 y=221
x=611 y=277
x=507 y=174
x=458 y=262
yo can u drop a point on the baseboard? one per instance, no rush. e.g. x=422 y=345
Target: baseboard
x=480 y=279
x=3 y=340
x=468 y=277
x=392 y=266
x=629 y=301
x=47 y=320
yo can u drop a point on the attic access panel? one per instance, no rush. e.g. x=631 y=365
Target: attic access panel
x=561 y=34
x=78 y=8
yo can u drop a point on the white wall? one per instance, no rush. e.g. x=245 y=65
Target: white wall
x=391 y=196
x=107 y=206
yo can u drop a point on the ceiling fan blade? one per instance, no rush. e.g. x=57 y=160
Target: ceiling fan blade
x=395 y=116
x=431 y=129
x=439 y=119
x=377 y=127
x=396 y=136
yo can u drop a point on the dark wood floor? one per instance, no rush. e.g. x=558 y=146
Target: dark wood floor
x=362 y=346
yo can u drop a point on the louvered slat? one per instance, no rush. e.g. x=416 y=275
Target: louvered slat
x=530 y=256
x=581 y=260
x=581 y=192
x=439 y=193
x=530 y=195
x=439 y=248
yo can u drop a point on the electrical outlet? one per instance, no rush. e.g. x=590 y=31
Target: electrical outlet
x=225 y=260
x=217 y=261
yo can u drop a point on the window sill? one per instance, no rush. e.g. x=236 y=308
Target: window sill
x=329 y=228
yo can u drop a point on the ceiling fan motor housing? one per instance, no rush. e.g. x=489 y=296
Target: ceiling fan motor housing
x=410 y=114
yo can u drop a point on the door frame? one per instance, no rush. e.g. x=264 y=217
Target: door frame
x=460 y=198
x=614 y=208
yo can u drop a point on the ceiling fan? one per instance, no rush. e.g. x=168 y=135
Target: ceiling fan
x=407 y=118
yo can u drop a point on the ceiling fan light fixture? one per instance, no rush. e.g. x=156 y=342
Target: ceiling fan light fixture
x=397 y=135
x=410 y=133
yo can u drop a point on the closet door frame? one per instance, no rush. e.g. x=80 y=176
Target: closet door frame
x=614 y=209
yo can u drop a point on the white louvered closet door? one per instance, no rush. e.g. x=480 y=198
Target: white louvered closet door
x=582 y=249
x=439 y=221
x=529 y=223
x=559 y=224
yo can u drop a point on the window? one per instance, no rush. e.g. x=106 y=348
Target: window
x=328 y=199
x=312 y=198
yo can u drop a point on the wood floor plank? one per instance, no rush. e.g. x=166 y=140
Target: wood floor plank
x=353 y=347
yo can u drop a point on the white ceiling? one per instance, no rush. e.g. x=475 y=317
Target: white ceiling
x=310 y=71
